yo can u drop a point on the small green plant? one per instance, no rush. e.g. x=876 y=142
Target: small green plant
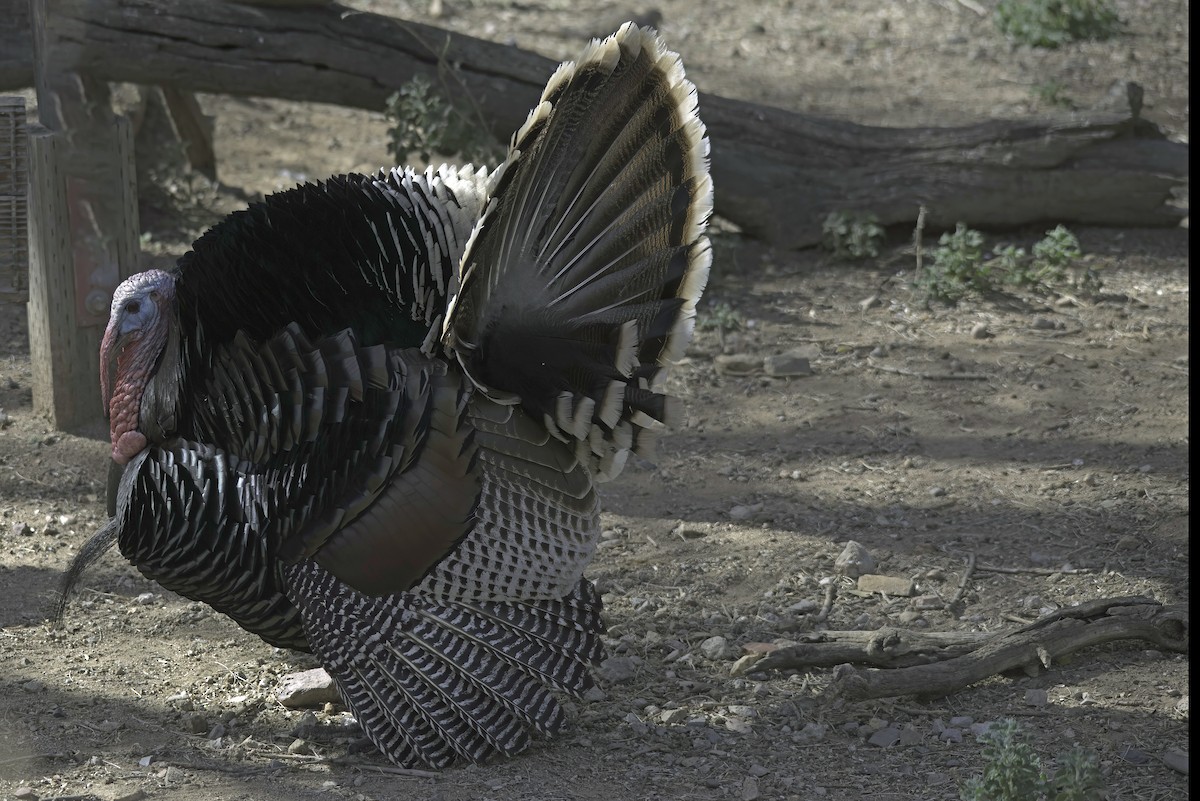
x=957 y=267
x=1012 y=771
x=721 y=318
x=1056 y=251
x=1051 y=23
x=1078 y=777
x=1053 y=93
x=850 y=235
x=424 y=122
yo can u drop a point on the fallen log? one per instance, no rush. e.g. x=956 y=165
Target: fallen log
x=778 y=173
x=934 y=664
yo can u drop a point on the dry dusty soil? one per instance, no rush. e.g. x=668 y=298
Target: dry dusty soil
x=1046 y=433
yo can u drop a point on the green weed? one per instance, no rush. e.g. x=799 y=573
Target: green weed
x=1013 y=771
x=424 y=122
x=851 y=235
x=1052 y=23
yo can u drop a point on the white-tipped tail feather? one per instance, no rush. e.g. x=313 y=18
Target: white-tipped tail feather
x=580 y=282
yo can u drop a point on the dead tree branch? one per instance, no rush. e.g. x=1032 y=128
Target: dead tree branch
x=938 y=663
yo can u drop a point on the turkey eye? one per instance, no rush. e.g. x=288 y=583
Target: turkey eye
x=133 y=307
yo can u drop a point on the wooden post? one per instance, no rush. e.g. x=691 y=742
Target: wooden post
x=84 y=225
x=60 y=350
x=14 y=234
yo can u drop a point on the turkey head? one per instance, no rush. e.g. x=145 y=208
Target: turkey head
x=138 y=356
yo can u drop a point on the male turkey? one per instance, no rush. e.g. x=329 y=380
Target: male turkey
x=365 y=417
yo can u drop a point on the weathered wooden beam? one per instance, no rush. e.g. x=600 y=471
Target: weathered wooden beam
x=777 y=173
x=14 y=192
x=193 y=128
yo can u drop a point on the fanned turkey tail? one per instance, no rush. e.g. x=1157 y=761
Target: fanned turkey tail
x=580 y=282
x=432 y=682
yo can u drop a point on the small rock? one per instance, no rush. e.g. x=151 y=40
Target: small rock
x=910 y=737
x=854 y=561
x=745 y=511
x=910 y=616
x=636 y=724
x=173 y=775
x=743 y=711
x=33 y=686
x=980 y=729
x=804 y=607
x=144 y=599
x=307 y=688
x=594 y=694
x=135 y=795
x=744 y=664
x=21 y=530
x=812 y=732
x=715 y=648
x=298 y=746
x=888 y=585
x=1036 y=697
x=787 y=364
x=884 y=738
x=738 y=364
x=962 y=721
x=1132 y=755
x=194 y=723
x=673 y=716
x=617 y=669
x=738 y=725
x=951 y=735
x=305 y=726
x=1045 y=324
x=980 y=331
x=25 y=794
x=937 y=492
x=688 y=531
x=1176 y=760
x=758 y=771
x=750 y=789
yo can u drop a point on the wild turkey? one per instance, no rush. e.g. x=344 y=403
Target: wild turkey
x=366 y=417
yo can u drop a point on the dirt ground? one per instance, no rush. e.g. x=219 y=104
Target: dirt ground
x=1056 y=445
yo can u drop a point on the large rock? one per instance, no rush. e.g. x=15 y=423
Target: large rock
x=308 y=688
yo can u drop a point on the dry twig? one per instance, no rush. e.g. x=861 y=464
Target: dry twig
x=964 y=581
x=887 y=368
